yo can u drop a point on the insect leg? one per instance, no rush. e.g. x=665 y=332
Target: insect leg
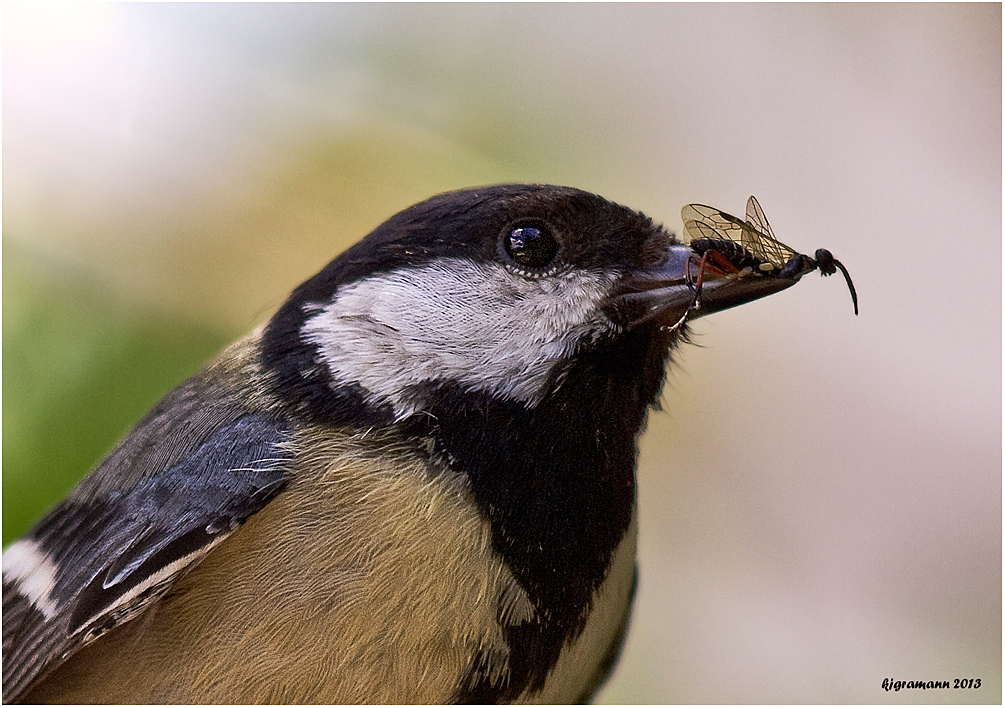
x=696 y=301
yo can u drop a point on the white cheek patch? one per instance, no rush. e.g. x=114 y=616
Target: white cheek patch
x=477 y=324
x=33 y=573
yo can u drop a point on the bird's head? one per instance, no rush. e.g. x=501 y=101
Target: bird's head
x=496 y=292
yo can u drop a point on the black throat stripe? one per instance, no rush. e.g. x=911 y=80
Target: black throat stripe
x=557 y=482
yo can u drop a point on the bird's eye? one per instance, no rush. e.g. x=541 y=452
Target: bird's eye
x=531 y=246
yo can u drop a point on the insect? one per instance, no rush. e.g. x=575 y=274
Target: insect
x=731 y=246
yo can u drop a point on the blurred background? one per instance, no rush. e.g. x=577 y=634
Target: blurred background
x=821 y=496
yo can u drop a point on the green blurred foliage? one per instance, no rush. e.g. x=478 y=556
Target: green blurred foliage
x=80 y=366
x=99 y=323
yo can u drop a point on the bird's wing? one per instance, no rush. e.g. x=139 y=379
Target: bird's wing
x=183 y=480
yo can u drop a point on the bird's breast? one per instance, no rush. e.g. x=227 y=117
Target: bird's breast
x=371 y=579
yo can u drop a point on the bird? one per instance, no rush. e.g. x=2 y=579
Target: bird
x=415 y=483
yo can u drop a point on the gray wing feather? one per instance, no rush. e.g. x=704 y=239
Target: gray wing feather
x=187 y=476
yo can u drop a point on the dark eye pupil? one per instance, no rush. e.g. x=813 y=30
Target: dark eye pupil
x=531 y=246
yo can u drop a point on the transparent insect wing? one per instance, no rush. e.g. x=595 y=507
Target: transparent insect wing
x=756 y=217
x=762 y=239
x=702 y=221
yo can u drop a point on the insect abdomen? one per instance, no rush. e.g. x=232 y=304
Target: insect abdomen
x=734 y=252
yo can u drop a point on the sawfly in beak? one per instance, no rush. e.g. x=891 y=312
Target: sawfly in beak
x=731 y=248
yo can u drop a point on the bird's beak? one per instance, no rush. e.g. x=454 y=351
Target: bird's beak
x=670 y=293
